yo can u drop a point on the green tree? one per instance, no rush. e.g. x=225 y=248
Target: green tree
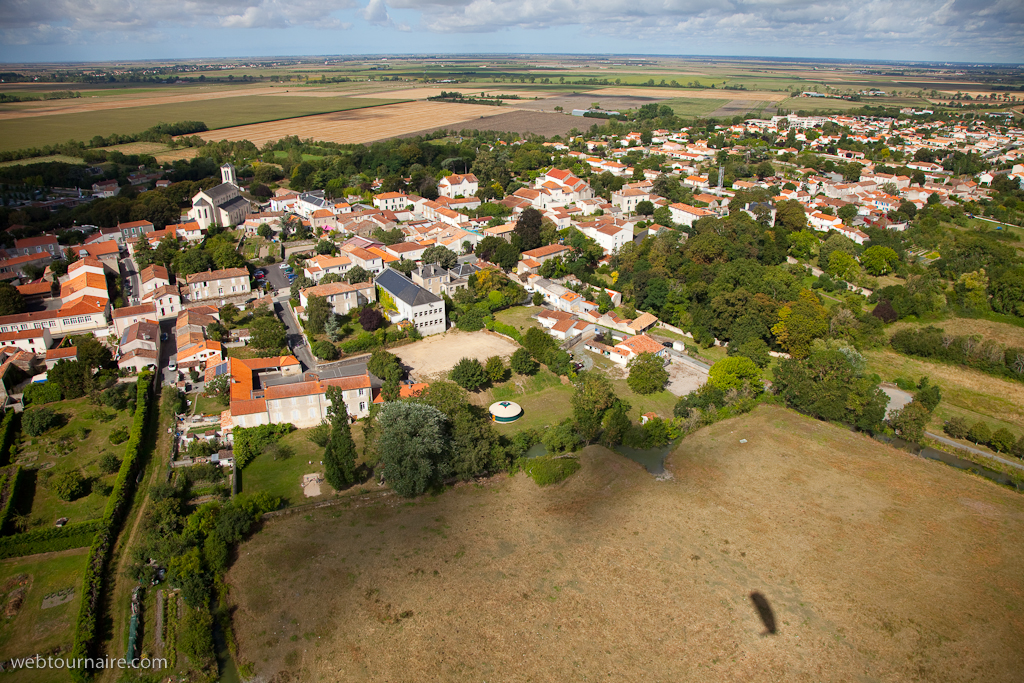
x=647 y=374
x=909 y=422
x=36 y=421
x=91 y=352
x=267 y=332
x=1002 y=440
x=218 y=387
x=412 y=446
x=325 y=350
x=765 y=169
x=385 y=365
x=11 y=300
x=791 y=215
x=645 y=208
x=326 y=247
x=847 y=212
x=538 y=299
x=522 y=363
x=495 y=368
x=73 y=378
x=878 y=260
x=340 y=452
x=442 y=256
x=318 y=309
x=800 y=323
x=528 y=228
x=357 y=274
x=265 y=231
x=469 y=374
x=980 y=433
x=732 y=372
x=67 y=485
x=594 y=395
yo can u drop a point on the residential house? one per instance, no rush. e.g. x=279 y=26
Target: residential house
x=125 y=317
x=319 y=266
x=35 y=340
x=684 y=214
x=37 y=245
x=139 y=347
x=54 y=356
x=342 y=296
x=439 y=281
x=153 y=277
x=166 y=300
x=134 y=229
x=218 y=284
x=391 y=201
x=457 y=185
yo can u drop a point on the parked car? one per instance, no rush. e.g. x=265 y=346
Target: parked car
x=667 y=344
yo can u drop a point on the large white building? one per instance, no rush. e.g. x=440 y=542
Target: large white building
x=342 y=296
x=403 y=299
x=458 y=185
x=221 y=205
x=214 y=284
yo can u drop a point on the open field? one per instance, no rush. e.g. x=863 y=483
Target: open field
x=685 y=106
x=220 y=113
x=29 y=629
x=1003 y=333
x=704 y=93
x=867 y=558
x=999 y=401
x=363 y=125
x=61 y=158
x=436 y=355
x=519 y=121
x=467 y=89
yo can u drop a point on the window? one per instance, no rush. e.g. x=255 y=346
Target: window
x=362 y=406
x=360 y=392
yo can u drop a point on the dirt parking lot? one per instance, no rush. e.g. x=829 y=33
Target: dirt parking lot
x=870 y=564
x=434 y=356
x=684 y=377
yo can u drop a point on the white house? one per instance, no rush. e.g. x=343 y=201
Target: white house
x=456 y=185
x=403 y=299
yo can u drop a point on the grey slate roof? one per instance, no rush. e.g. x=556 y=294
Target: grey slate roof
x=218 y=193
x=463 y=270
x=431 y=270
x=400 y=287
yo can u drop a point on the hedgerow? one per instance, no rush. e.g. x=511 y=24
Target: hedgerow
x=50 y=540
x=106 y=535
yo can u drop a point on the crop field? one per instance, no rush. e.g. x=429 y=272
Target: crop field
x=360 y=125
x=709 y=93
x=685 y=106
x=520 y=121
x=866 y=563
x=218 y=113
x=40 y=596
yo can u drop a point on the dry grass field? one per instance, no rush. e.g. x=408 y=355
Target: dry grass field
x=712 y=94
x=1003 y=333
x=359 y=125
x=872 y=564
x=517 y=120
x=436 y=355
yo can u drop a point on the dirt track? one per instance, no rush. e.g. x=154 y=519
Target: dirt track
x=875 y=566
x=436 y=355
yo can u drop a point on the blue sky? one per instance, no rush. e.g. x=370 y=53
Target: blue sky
x=914 y=30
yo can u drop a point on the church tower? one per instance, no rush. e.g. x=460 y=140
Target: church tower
x=227 y=174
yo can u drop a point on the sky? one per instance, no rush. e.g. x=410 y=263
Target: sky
x=973 y=31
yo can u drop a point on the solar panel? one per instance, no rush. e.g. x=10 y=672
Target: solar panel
x=220 y=369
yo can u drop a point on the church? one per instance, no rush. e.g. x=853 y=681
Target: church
x=222 y=205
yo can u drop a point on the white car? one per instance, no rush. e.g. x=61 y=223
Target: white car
x=172 y=365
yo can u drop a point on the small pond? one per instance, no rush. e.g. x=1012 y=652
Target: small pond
x=950 y=459
x=651 y=458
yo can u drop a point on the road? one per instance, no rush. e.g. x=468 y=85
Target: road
x=277 y=277
x=296 y=341
x=130 y=273
x=899 y=398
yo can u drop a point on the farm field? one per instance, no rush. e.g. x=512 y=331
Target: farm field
x=702 y=94
x=361 y=125
x=219 y=113
x=685 y=106
x=614 y=575
x=29 y=628
x=519 y=121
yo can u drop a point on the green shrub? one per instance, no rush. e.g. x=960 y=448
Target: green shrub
x=109 y=463
x=250 y=442
x=119 y=436
x=550 y=470
x=39 y=420
x=980 y=433
x=956 y=427
x=67 y=485
x=38 y=394
x=325 y=350
x=1002 y=440
x=8 y=433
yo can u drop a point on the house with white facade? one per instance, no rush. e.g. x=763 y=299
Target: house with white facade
x=317 y=267
x=221 y=205
x=215 y=284
x=457 y=185
x=403 y=299
x=342 y=296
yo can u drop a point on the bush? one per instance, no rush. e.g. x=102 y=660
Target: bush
x=119 y=436
x=250 y=442
x=39 y=420
x=647 y=374
x=38 y=394
x=469 y=374
x=522 y=363
x=547 y=470
x=320 y=434
x=67 y=485
x=109 y=463
x=8 y=433
x=495 y=368
x=325 y=350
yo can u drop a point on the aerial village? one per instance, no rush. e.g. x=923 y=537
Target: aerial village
x=148 y=318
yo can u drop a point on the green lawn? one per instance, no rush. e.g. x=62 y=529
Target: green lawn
x=519 y=317
x=31 y=629
x=284 y=477
x=545 y=400
x=220 y=113
x=61 y=449
x=206 y=405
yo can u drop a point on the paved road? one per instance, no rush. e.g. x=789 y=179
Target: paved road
x=899 y=398
x=130 y=272
x=277 y=277
x=296 y=341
